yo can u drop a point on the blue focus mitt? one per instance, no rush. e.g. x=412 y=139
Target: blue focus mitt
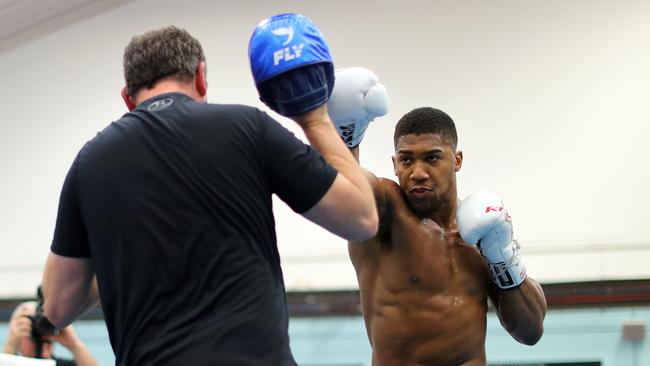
x=291 y=64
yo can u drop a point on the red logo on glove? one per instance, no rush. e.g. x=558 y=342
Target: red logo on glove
x=494 y=208
x=498 y=209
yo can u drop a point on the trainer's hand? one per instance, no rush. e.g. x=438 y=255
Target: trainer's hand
x=312 y=117
x=483 y=220
x=291 y=64
x=358 y=98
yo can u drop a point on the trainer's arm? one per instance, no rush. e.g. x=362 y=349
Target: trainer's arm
x=521 y=310
x=348 y=208
x=69 y=288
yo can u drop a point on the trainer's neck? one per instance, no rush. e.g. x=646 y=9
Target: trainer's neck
x=168 y=86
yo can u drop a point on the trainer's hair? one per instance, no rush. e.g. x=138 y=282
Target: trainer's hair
x=427 y=120
x=169 y=52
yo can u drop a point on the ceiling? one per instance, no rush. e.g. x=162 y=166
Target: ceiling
x=24 y=20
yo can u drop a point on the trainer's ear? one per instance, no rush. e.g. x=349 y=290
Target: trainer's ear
x=459 y=161
x=394 y=165
x=130 y=104
x=200 y=81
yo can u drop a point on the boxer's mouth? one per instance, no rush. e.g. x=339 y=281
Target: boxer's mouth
x=419 y=191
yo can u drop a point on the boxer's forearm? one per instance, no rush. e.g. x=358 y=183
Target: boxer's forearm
x=374 y=182
x=522 y=311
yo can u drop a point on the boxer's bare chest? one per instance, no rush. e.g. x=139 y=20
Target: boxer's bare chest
x=419 y=254
x=423 y=285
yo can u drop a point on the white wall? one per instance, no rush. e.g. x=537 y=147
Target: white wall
x=550 y=100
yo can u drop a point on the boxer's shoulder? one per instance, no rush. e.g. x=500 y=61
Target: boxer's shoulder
x=391 y=201
x=393 y=194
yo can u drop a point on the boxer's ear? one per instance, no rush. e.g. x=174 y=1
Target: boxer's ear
x=130 y=104
x=458 y=163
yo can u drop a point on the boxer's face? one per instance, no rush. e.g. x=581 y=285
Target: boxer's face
x=426 y=167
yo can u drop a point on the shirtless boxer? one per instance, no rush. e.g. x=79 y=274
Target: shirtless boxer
x=424 y=286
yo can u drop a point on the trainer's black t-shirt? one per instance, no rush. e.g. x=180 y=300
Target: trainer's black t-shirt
x=173 y=204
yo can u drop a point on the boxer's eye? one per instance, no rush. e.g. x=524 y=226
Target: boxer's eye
x=405 y=159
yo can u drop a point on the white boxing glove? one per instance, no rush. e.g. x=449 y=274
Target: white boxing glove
x=483 y=220
x=357 y=99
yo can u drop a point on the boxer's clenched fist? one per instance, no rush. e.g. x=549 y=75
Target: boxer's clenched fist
x=483 y=220
x=358 y=98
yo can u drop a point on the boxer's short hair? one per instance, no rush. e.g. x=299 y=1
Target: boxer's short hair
x=169 y=52
x=427 y=120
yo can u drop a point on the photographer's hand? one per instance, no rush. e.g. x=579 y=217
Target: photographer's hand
x=20 y=326
x=68 y=338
